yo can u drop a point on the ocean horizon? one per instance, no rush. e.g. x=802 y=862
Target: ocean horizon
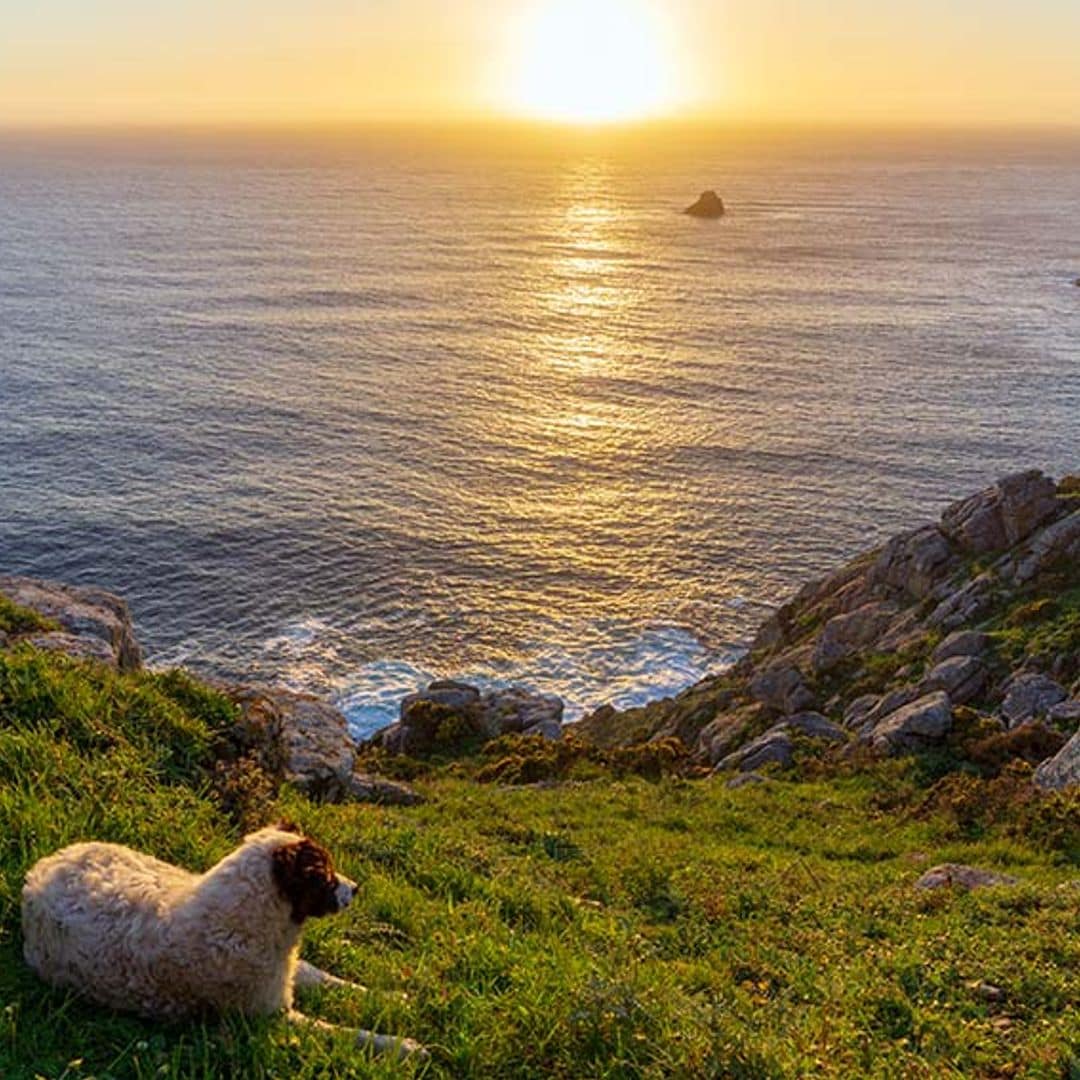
x=353 y=411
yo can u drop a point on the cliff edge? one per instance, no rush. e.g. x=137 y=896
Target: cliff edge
x=961 y=631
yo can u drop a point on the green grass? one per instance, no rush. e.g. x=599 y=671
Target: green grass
x=606 y=927
x=1043 y=625
x=20 y=620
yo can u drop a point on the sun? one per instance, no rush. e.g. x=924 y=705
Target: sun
x=591 y=61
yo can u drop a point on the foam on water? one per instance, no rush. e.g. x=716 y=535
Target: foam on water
x=618 y=666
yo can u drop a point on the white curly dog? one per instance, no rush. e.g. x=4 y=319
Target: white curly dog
x=137 y=934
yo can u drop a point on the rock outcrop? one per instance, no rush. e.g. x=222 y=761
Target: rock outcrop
x=1063 y=769
x=297 y=738
x=977 y=610
x=777 y=745
x=305 y=741
x=958 y=876
x=90 y=623
x=707 y=205
x=449 y=715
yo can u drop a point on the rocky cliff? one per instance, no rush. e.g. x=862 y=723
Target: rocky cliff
x=963 y=632
x=962 y=635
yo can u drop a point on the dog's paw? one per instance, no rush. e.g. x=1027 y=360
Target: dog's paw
x=393 y=1046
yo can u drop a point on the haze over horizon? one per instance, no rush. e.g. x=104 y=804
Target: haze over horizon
x=352 y=61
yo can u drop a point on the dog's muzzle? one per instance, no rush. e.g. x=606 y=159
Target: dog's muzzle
x=344 y=892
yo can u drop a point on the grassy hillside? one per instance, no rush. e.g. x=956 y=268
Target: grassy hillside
x=603 y=926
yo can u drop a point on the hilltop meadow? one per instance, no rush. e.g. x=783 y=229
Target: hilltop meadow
x=607 y=924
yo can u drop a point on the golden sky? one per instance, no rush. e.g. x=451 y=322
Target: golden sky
x=948 y=62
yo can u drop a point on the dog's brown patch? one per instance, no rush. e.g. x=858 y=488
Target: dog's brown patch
x=305 y=877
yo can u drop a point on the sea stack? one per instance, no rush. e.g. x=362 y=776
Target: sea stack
x=708 y=205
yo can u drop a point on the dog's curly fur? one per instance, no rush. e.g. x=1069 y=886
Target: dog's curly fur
x=137 y=934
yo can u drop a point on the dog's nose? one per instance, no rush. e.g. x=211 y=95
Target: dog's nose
x=344 y=892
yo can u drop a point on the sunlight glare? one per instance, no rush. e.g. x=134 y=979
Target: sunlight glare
x=592 y=61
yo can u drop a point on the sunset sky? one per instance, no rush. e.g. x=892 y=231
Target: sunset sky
x=962 y=62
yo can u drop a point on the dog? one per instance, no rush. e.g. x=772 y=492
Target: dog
x=136 y=934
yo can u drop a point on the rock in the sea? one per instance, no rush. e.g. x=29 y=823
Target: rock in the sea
x=915 y=725
x=95 y=624
x=1029 y=696
x=959 y=876
x=1063 y=769
x=1003 y=514
x=708 y=205
x=304 y=740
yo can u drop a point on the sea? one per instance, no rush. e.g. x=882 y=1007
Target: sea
x=351 y=410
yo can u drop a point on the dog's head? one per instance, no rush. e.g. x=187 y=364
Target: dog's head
x=305 y=877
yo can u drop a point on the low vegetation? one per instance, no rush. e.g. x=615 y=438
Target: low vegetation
x=578 y=915
x=15 y=619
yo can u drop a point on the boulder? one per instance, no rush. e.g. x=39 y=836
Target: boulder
x=913 y=563
x=1002 y=515
x=746 y=779
x=913 y=726
x=514 y=709
x=448 y=712
x=846 y=635
x=82 y=648
x=782 y=688
x=814 y=726
x=1058 y=543
x=708 y=205
x=775 y=747
x=961 y=643
x=1029 y=696
x=723 y=734
x=363 y=787
x=454 y=695
x=956 y=875
x=857 y=712
x=95 y=624
x=962 y=677
x=964 y=604
x=1063 y=769
x=305 y=741
x=888 y=703
x=1065 y=714
x=548 y=729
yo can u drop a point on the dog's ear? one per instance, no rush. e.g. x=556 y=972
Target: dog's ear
x=285 y=825
x=305 y=878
